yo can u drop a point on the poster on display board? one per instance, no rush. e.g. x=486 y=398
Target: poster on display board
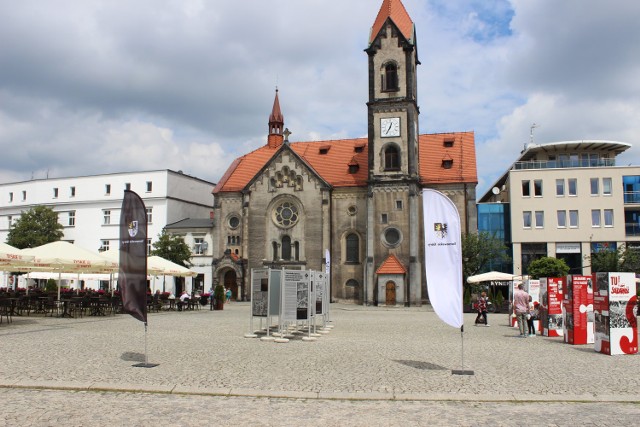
x=532 y=287
x=578 y=310
x=550 y=310
x=259 y=292
x=319 y=285
x=275 y=289
x=614 y=304
x=296 y=293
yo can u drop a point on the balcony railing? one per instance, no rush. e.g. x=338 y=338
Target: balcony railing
x=631 y=197
x=632 y=229
x=559 y=164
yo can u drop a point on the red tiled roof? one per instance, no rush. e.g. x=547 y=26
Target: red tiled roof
x=333 y=165
x=462 y=154
x=395 y=10
x=391 y=265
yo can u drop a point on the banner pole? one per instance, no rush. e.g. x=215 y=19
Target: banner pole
x=462 y=371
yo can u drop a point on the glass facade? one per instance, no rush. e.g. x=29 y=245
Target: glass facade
x=494 y=218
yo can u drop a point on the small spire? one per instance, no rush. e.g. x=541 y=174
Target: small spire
x=276 y=124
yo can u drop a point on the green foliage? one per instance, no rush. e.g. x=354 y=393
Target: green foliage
x=624 y=259
x=548 y=267
x=35 y=227
x=478 y=250
x=499 y=300
x=51 y=286
x=172 y=248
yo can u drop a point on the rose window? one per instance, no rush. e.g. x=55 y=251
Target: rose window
x=286 y=214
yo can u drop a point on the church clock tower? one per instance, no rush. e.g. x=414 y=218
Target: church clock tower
x=394 y=174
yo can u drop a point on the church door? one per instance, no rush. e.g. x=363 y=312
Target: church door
x=390 y=293
x=230 y=283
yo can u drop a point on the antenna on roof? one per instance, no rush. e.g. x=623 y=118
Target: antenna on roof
x=531 y=143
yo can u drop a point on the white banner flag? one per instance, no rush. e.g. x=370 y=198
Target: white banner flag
x=443 y=256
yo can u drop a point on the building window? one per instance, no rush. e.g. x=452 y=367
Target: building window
x=390 y=78
x=198 y=247
x=72 y=191
x=149 y=215
x=11 y=196
x=384 y=218
x=107 y=189
x=106 y=215
x=286 y=214
x=399 y=205
x=595 y=217
x=149 y=186
x=55 y=193
x=353 y=248
x=352 y=283
x=9 y=220
x=274 y=249
x=606 y=186
x=104 y=245
x=539 y=219
x=24 y=196
x=594 y=187
x=72 y=219
x=447 y=164
x=537 y=188
x=526 y=188
x=526 y=219
x=296 y=251
x=391 y=159
x=573 y=186
x=559 y=187
x=608 y=217
x=149 y=246
x=562 y=219
x=573 y=219
x=392 y=237
x=286 y=248
x=127 y=186
x=234 y=222
x=448 y=143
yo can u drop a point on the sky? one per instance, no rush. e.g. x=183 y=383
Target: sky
x=103 y=86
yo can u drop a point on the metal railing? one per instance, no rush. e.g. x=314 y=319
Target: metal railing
x=559 y=164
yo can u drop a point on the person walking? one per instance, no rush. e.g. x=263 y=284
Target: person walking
x=521 y=309
x=482 y=310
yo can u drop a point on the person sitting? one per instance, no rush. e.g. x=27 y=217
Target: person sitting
x=184 y=300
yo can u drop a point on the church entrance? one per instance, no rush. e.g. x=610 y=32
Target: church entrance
x=390 y=293
x=231 y=283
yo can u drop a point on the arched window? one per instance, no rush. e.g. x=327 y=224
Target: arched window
x=296 y=251
x=286 y=248
x=390 y=78
x=391 y=158
x=274 y=246
x=353 y=248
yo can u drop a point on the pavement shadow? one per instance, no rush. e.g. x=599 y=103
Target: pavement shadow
x=421 y=365
x=132 y=357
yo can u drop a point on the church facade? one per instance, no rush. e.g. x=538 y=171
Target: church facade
x=358 y=201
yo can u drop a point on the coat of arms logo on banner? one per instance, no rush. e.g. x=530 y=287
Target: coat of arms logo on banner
x=133 y=228
x=440 y=229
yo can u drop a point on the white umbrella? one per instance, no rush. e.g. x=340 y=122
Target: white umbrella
x=491 y=276
x=12 y=256
x=169 y=268
x=65 y=257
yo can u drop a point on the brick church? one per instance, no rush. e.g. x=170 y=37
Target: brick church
x=287 y=203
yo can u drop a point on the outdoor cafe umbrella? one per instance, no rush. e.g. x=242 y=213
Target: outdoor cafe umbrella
x=11 y=259
x=65 y=257
x=491 y=276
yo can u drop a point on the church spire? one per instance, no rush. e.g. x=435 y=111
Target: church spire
x=276 y=125
x=394 y=10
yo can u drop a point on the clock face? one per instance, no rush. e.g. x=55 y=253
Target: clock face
x=389 y=127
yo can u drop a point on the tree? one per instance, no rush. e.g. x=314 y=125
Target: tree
x=173 y=248
x=479 y=250
x=35 y=227
x=548 y=267
x=623 y=259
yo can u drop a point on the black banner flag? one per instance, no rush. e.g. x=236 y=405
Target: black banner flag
x=132 y=278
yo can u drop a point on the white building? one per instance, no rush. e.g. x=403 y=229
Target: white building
x=89 y=207
x=565 y=200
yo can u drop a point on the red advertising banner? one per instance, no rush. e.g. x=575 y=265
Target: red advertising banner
x=578 y=306
x=616 y=326
x=551 y=289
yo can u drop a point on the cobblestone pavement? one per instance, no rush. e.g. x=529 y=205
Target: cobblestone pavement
x=377 y=366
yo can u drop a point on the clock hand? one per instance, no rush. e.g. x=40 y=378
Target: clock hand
x=389 y=128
